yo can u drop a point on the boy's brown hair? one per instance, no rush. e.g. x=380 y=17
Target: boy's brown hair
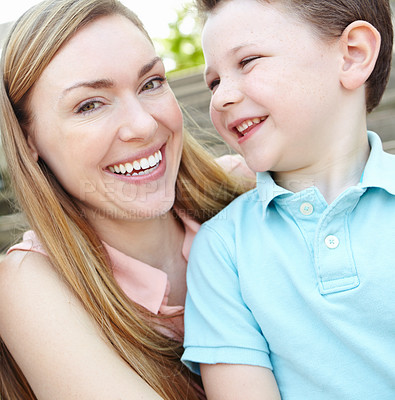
x=329 y=18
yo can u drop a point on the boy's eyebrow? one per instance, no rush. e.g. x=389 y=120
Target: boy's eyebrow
x=235 y=49
x=232 y=51
x=108 y=83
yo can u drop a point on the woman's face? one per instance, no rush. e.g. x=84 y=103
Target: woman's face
x=107 y=124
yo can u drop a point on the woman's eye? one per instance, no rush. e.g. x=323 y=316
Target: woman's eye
x=247 y=60
x=153 y=84
x=89 y=107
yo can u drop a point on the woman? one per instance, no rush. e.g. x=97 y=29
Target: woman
x=93 y=138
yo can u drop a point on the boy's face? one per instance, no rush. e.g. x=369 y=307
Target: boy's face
x=275 y=85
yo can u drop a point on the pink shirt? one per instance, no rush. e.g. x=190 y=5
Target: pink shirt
x=145 y=285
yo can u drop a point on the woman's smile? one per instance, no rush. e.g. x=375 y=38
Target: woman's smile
x=140 y=170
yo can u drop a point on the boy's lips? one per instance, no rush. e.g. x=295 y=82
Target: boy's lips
x=137 y=167
x=243 y=126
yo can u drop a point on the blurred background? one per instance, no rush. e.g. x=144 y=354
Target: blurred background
x=175 y=29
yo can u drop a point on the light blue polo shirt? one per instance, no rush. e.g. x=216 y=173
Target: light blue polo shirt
x=285 y=281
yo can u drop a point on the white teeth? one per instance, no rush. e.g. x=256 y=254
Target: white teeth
x=144 y=165
x=136 y=165
x=152 y=161
x=247 y=123
x=129 y=167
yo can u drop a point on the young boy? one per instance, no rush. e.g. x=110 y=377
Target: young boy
x=293 y=284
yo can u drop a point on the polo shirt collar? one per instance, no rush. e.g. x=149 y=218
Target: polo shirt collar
x=380 y=167
x=379 y=172
x=268 y=189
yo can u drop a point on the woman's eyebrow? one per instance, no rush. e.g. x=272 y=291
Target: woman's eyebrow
x=147 y=67
x=95 y=84
x=108 y=83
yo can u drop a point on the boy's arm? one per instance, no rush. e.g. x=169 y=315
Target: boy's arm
x=221 y=333
x=238 y=382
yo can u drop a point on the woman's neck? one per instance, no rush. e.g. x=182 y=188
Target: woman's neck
x=156 y=242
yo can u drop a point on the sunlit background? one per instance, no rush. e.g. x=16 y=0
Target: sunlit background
x=155 y=14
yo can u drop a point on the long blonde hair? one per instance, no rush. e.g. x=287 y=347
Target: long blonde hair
x=72 y=245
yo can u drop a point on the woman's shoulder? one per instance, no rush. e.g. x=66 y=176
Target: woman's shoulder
x=22 y=272
x=24 y=262
x=30 y=242
x=25 y=282
x=235 y=164
x=24 y=277
x=20 y=261
x=229 y=161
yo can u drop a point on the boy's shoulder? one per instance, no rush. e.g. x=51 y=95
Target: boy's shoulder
x=241 y=208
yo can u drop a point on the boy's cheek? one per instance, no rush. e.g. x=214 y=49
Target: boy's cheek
x=216 y=120
x=223 y=132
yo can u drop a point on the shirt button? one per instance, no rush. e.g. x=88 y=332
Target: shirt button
x=331 y=242
x=306 y=209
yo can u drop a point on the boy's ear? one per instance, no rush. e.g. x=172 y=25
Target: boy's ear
x=360 y=44
x=32 y=146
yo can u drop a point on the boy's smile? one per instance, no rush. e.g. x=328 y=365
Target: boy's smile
x=275 y=87
x=246 y=126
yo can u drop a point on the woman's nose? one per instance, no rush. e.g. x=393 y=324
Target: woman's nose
x=137 y=123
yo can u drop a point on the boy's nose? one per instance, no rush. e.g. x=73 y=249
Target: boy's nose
x=225 y=95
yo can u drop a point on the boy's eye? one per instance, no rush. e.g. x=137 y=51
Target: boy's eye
x=213 y=84
x=153 y=84
x=247 y=60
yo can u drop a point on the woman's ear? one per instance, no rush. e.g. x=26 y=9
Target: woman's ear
x=32 y=146
x=360 y=44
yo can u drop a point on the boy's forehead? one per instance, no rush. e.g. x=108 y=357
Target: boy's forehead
x=241 y=10
x=240 y=23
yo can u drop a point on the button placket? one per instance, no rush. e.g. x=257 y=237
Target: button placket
x=334 y=261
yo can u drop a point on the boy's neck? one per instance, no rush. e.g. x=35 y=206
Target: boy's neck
x=334 y=175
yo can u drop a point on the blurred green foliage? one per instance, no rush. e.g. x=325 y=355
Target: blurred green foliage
x=182 y=45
